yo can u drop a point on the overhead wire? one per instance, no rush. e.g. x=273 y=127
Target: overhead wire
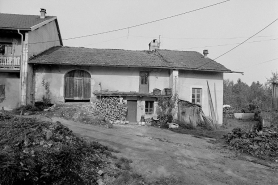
x=231 y=44
x=137 y=25
x=240 y=43
x=246 y=39
x=260 y=63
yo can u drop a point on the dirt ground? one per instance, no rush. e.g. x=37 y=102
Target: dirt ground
x=160 y=154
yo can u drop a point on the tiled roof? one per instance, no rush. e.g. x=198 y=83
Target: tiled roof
x=187 y=60
x=190 y=60
x=16 y=21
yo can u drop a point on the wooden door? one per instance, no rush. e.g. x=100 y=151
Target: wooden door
x=144 y=82
x=78 y=88
x=78 y=85
x=131 y=110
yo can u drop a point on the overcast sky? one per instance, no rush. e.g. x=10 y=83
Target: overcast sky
x=218 y=28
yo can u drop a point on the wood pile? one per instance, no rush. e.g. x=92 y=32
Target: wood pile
x=263 y=144
x=112 y=109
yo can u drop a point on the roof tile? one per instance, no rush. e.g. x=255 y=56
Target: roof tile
x=17 y=21
x=186 y=60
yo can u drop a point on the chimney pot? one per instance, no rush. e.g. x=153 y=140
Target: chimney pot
x=43 y=12
x=153 y=45
x=205 y=53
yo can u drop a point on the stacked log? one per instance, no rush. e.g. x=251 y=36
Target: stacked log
x=111 y=108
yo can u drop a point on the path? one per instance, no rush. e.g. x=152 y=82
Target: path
x=160 y=153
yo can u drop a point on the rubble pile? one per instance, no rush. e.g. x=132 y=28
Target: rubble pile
x=262 y=144
x=40 y=152
x=113 y=109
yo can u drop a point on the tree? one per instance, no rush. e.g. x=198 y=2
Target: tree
x=272 y=79
x=228 y=93
x=240 y=93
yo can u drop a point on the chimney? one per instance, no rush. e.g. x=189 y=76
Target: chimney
x=43 y=12
x=205 y=53
x=153 y=45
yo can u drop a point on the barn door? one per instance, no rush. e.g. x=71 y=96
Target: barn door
x=78 y=85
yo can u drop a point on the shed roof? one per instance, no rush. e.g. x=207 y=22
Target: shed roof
x=185 y=60
x=22 y=22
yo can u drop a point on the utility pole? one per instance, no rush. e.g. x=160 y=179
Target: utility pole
x=159 y=41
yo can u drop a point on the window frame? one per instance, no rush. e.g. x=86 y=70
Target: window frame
x=5 y=46
x=194 y=95
x=144 y=77
x=149 y=107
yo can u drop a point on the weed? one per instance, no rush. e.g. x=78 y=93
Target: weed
x=46 y=97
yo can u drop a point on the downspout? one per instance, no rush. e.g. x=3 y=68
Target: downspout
x=21 y=59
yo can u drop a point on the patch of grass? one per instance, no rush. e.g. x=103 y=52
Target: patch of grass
x=129 y=178
x=228 y=126
x=123 y=163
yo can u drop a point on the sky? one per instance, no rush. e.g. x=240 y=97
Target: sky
x=217 y=28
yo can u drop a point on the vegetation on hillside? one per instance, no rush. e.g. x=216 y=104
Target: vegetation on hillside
x=240 y=95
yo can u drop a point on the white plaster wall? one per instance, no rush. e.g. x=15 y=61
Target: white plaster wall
x=40 y=36
x=113 y=79
x=158 y=79
x=121 y=79
x=55 y=77
x=189 y=80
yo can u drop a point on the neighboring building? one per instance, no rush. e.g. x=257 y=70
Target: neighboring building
x=275 y=95
x=83 y=73
x=22 y=37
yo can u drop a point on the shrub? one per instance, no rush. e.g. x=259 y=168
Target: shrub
x=166 y=108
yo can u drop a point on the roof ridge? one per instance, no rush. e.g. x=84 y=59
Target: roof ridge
x=27 y=14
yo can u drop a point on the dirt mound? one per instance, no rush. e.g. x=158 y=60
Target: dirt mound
x=40 y=152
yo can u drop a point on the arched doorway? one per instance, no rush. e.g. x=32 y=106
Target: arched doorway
x=77 y=85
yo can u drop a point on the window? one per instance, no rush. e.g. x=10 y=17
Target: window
x=149 y=107
x=144 y=77
x=2 y=92
x=6 y=49
x=197 y=95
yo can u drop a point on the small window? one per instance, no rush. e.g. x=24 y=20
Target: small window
x=149 y=107
x=197 y=95
x=2 y=92
x=144 y=77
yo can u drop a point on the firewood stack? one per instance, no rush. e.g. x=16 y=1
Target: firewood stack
x=112 y=109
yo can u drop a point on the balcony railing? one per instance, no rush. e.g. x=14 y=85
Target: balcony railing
x=10 y=63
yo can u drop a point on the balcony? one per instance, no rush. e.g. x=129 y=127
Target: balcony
x=9 y=63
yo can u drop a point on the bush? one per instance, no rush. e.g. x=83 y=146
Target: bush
x=274 y=120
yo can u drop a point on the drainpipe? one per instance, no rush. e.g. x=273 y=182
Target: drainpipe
x=21 y=59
